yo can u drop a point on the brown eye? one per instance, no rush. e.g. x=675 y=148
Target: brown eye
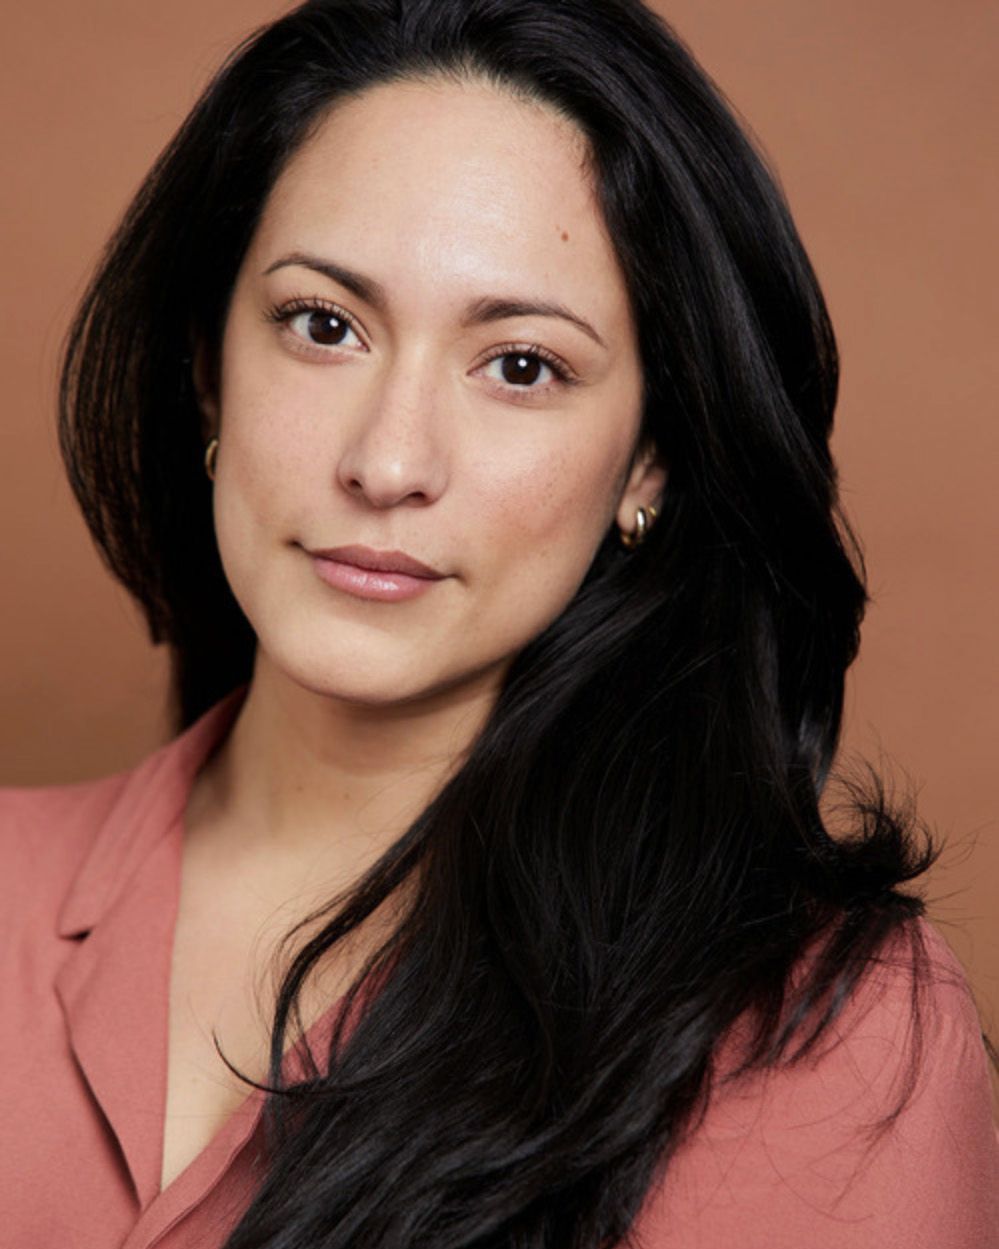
x=326 y=328
x=528 y=369
x=316 y=326
x=521 y=369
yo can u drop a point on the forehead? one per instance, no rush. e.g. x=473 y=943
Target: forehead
x=452 y=185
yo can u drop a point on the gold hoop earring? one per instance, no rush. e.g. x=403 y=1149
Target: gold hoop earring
x=211 y=454
x=644 y=517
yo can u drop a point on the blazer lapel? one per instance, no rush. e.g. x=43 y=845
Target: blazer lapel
x=118 y=921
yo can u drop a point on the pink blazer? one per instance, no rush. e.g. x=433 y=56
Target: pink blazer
x=89 y=894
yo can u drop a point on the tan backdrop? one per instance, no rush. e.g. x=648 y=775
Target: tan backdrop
x=880 y=118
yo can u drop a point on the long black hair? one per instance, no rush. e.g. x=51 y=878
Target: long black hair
x=633 y=855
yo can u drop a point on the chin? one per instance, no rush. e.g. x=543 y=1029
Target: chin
x=364 y=679
x=360 y=693
x=366 y=675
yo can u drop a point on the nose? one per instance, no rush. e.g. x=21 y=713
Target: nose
x=396 y=452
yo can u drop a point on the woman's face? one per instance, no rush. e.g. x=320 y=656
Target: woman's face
x=429 y=351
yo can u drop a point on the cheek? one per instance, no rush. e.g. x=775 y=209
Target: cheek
x=533 y=533
x=263 y=400
x=544 y=521
x=267 y=454
x=260 y=488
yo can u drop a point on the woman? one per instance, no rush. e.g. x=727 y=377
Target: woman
x=455 y=400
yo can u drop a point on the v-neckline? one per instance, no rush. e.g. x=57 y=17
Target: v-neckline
x=240 y=1125
x=113 y=986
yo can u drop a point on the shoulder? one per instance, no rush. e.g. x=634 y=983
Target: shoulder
x=47 y=831
x=47 y=818
x=811 y=1154
x=913 y=999
x=66 y=848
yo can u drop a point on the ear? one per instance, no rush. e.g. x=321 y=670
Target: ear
x=644 y=487
x=204 y=376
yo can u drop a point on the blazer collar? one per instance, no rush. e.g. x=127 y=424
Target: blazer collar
x=149 y=800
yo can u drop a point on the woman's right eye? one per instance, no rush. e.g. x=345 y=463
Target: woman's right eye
x=316 y=326
x=325 y=329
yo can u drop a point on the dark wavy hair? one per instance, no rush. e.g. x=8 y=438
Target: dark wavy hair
x=633 y=856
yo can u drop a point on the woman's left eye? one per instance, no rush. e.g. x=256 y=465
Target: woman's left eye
x=525 y=368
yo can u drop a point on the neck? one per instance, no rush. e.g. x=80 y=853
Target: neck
x=303 y=773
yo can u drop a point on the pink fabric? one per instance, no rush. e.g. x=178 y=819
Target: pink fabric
x=89 y=896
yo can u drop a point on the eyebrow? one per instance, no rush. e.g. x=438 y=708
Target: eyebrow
x=479 y=312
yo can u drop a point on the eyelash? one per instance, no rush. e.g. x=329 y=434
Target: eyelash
x=282 y=314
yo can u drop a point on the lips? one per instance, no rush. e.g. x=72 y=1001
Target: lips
x=379 y=561
x=361 y=572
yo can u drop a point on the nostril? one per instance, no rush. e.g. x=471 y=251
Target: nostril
x=388 y=472
x=387 y=497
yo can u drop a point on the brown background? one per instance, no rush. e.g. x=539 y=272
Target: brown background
x=880 y=118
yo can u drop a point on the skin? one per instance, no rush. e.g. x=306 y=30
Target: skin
x=406 y=434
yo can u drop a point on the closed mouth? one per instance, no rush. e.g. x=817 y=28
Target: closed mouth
x=379 y=561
